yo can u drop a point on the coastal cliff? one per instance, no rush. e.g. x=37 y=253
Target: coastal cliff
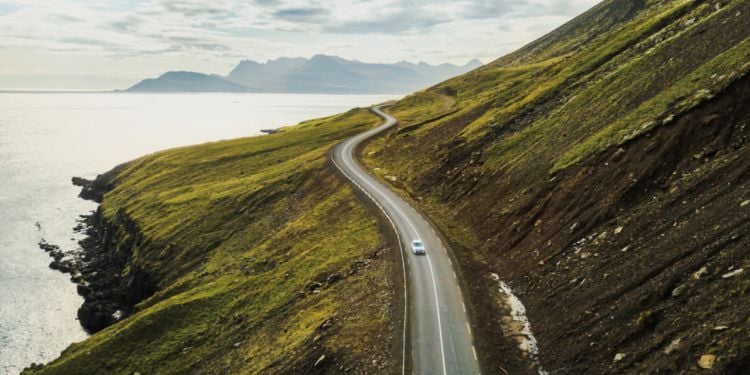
x=594 y=188
x=242 y=256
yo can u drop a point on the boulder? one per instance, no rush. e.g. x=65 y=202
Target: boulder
x=732 y=273
x=676 y=292
x=320 y=360
x=83 y=290
x=92 y=318
x=672 y=346
x=707 y=361
x=313 y=286
x=700 y=273
x=328 y=323
x=332 y=278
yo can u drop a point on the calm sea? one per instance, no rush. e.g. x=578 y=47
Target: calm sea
x=47 y=138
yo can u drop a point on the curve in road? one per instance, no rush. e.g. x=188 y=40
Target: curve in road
x=441 y=339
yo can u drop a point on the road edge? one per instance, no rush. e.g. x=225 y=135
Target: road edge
x=393 y=239
x=447 y=242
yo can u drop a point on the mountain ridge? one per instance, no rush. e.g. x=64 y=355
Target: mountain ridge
x=318 y=74
x=184 y=81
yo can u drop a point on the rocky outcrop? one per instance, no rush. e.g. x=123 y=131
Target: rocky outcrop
x=92 y=190
x=108 y=280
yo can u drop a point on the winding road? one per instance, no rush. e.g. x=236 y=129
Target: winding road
x=439 y=337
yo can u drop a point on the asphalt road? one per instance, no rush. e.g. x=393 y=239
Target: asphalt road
x=440 y=340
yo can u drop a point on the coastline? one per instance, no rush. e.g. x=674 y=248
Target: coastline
x=109 y=285
x=41 y=304
x=245 y=267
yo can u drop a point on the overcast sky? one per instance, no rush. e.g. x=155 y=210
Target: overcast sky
x=112 y=44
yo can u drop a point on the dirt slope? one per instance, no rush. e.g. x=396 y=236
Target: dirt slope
x=603 y=172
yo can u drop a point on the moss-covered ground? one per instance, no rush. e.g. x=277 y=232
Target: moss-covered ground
x=601 y=171
x=629 y=115
x=266 y=262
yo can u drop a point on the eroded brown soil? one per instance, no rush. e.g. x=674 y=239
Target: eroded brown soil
x=628 y=262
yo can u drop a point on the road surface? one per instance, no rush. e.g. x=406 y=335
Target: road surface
x=440 y=340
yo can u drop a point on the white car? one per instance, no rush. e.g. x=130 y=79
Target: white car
x=417 y=247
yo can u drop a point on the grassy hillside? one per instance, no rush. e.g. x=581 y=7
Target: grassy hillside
x=265 y=261
x=602 y=171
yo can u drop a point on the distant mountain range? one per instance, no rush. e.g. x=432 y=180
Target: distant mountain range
x=319 y=74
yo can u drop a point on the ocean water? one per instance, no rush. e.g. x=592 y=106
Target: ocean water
x=47 y=138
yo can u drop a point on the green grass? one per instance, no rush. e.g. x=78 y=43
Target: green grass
x=551 y=109
x=684 y=95
x=525 y=155
x=605 y=78
x=235 y=231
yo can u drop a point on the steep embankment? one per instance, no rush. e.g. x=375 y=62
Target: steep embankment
x=603 y=172
x=263 y=262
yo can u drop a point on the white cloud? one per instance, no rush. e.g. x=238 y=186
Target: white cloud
x=212 y=35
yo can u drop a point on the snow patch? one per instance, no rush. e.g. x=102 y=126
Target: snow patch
x=521 y=325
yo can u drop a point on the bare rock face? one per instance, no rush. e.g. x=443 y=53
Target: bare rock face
x=707 y=361
x=110 y=284
x=92 y=190
x=94 y=316
x=107 y=280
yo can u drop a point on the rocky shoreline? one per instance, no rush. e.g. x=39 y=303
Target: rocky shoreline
x=109 y=284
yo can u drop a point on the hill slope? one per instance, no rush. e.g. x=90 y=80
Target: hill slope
x=186 y=82
x=263 y=262
x=601 y=172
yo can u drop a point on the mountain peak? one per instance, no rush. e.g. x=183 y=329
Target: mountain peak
x=179 y=74
x=321 y=57
x=184 y=81
x=320 y=73
x=248 y=61
x=474 y=63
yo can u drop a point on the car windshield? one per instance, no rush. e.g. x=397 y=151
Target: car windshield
x=417 y=243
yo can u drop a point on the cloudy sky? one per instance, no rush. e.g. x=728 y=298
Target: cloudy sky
x=112 y=44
